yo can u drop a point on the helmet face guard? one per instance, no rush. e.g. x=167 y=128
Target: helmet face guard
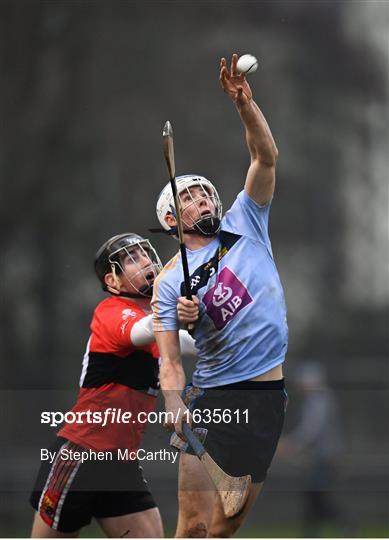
x=132 y=249
x=202 y=222
x=207 y=223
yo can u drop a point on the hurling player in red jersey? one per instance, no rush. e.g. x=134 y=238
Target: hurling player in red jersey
x=119 y=374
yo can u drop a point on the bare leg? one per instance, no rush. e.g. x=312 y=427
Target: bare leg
x=200 y=511
x=40 y=529
x=146 y=524
x=196 y=499
x=223 y=527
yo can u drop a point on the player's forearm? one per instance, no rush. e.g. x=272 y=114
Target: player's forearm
x=259 y=138
x=187 y=344
x=172 y=380
x=142 y=332
x=172 y=377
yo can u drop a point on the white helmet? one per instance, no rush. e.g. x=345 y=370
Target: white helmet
x=208 y=224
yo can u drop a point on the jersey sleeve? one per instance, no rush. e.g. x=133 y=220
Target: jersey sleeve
x=248 y=218
x=164 y=304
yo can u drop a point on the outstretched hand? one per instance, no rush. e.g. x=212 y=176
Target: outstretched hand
x=234 y=84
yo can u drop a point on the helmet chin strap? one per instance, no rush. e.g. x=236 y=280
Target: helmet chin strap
x=207 y=226
x=134 y=295
x=147 y=294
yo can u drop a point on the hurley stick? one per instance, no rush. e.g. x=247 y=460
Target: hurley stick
x=233 y=490
x=168 y=149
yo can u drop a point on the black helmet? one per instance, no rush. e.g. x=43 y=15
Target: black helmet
x=108 y=257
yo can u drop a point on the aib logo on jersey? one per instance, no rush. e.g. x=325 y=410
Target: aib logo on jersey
x=226 y=298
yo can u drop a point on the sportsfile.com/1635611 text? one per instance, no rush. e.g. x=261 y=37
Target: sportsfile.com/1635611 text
x=120 y=416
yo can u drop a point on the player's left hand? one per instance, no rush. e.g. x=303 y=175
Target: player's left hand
x=234 y=84
x=177 y=413
x=188 y=310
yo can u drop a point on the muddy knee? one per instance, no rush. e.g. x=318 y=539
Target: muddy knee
x=196 y=529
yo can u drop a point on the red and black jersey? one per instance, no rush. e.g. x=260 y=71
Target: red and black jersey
x=115 y=375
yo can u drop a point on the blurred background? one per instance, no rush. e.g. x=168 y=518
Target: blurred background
x=86 y=87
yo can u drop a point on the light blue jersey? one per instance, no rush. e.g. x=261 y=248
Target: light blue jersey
x=242 y=331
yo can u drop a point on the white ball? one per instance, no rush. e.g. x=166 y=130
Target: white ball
x=247 y=64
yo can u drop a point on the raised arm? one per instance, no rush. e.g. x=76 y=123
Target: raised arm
x=260 y=179
x=172 y=377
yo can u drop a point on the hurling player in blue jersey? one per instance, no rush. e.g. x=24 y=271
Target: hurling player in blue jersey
x=240 y=331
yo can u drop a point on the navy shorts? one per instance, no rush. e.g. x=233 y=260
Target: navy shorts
x=68 y=493
x=240 y=424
